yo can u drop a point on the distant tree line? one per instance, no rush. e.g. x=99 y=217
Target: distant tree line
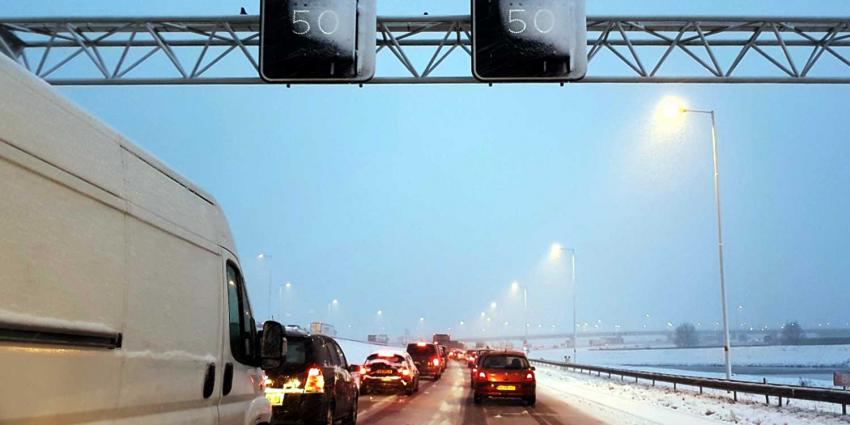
x=685 y=335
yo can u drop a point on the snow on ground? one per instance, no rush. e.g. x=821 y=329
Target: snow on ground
x=629 y=403
x=356 y=351
x=782 y=356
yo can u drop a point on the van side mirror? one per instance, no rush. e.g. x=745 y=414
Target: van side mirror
x=273 y=346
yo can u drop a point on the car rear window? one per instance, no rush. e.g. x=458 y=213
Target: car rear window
x=299 y=353
x=417 y=351
x=505 y=362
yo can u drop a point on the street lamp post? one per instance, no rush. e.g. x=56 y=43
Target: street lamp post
x=555 y=252
x=263 y=256
x=727 y=349
x=516 y=286
x=575 y=290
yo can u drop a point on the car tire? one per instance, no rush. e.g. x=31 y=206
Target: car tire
x=351 y=419
x=417 y=385
x=364 y=390
x=408 y=390
x=476 y=399
x=531 y=400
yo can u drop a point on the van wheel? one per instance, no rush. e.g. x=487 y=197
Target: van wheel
x=352 y=416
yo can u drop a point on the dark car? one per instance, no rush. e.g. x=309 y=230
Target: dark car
x=504 y=374
x=314 y=385
x=427 y=358
x=389 y=370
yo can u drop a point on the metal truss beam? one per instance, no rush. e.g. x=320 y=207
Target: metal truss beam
x=433 y=49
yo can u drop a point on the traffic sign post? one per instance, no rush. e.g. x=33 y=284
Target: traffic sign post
x=529 y=40
x=317 y=41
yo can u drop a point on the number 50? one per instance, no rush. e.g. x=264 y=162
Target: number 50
x=517 y=25
x=302 y=26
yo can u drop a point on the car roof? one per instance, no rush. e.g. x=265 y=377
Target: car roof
x=390 y=351
x=504 y=353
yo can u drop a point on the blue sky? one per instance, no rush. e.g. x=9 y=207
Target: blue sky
x=427 y=201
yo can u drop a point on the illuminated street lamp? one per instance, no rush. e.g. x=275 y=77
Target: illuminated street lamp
x=671 y=107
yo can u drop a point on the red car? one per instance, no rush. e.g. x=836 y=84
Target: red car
x=504 y=374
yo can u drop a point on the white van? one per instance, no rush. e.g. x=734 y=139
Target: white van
x=121 y=297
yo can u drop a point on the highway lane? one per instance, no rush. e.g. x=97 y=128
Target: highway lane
x=449 y=401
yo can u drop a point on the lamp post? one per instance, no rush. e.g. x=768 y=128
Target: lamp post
x=515 y=286
x=670 y=108
x=554 y=253
x=263 y=256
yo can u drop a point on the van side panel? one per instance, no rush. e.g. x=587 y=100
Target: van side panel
x=62 y=256
x=49 y=127
x=173 y=329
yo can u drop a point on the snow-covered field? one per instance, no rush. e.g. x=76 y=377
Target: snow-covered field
x=781 y=356
x=789 y=362
x=634 y=404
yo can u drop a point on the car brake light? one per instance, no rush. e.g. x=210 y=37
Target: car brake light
x=435 y=361
x=421 y=344
x=405 y=372
x=529 y=376
x=482 y=375
x=315 y=381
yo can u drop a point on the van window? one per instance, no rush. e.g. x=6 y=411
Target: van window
x=242 y=327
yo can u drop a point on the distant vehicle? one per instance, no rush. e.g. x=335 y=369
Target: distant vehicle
x=427 y=358
x=318 y=328
x=389 y=370
x=122 y=291
x=314 y=385
x=504 y=374
x=442 y=339
x=473 y=356
x=470 y=358
x=444 y=352
x=379 y=339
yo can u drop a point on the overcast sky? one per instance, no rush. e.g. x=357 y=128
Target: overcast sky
x=428 y=201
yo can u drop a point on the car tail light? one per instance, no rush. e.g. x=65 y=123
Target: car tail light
x=482 y=376
x=421 y=344
x=529 y=376
x=435 y=361
x=405 y=372
x=315 y=381
x=365 y=369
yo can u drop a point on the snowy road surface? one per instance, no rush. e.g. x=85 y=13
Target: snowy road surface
x=565 y=398
x=448 y=401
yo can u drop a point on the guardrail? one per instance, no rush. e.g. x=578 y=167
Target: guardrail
x=824 y=395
